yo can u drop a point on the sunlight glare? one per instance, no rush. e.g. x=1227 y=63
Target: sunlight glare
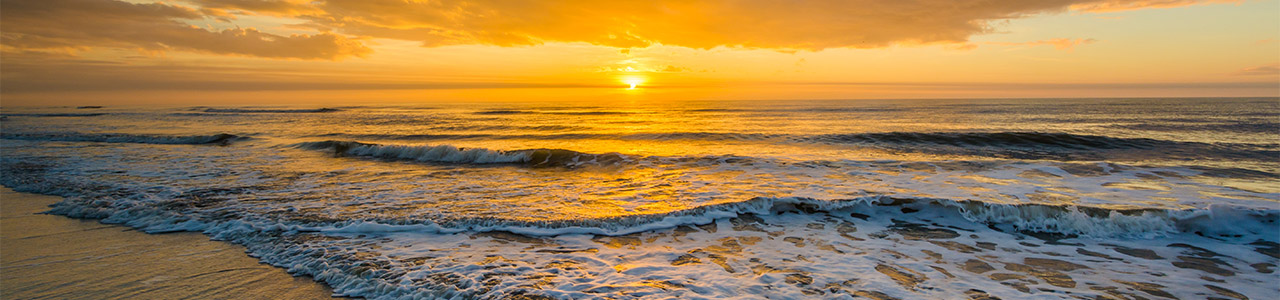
x=633 y=81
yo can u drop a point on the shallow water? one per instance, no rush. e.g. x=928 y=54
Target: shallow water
x=902 y=199
x=54 y=257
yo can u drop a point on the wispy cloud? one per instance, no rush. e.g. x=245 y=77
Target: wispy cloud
x=1263 y=70
x=1059 y=43
x=1115 y=6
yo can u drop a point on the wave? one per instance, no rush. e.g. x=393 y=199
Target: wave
x=802 y=110
x=275 y=238
x=654 y=136
x=1222 y=127
x=456 y=155
x=553 y=112
x=1008 y=140
x=998 y=139
x=56 y=115
x=503 y=112
x=329 y=252
x=449 y=154
x=1015 y=145
x=1043 y=145
x=220 y=139
x=1218 y=221
x=280 y=111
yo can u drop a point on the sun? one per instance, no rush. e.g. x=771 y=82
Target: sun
x=633 y=81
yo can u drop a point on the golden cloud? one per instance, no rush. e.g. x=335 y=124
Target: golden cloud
x=62 y=25
x=73 y=25
x=779 y=25
x=261 y=7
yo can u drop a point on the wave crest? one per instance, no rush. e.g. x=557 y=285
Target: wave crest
x=457 y=155
x=1087 y=221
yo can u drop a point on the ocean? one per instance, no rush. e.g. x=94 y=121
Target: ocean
x=883 y=199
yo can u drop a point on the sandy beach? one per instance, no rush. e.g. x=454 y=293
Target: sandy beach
x=54 y=257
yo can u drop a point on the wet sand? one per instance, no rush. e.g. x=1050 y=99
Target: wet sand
x=48 y=256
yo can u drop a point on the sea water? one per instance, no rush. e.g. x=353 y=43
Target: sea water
x=910 y=199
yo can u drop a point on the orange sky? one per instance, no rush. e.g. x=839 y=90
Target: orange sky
x=76 y=52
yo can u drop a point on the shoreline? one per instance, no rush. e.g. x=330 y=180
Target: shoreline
x=51 y=256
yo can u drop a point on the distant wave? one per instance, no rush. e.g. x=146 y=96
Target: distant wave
x=549 y=112
x=996 y=139
x=1220 y=127
x=502 y=112
x=280 y=111
x=647 y=136
x=221 y=138
x=712 y=110
x=1042 y=145
x=810 y=109
x=56 y=115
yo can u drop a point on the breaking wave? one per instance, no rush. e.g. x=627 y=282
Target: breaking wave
x=1015 y=145
x=1215 y=221
x=145 y=209
x=456 y=155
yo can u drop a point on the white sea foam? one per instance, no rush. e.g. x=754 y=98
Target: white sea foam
x=781 y=249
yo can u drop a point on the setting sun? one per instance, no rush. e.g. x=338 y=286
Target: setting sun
x=633 y=81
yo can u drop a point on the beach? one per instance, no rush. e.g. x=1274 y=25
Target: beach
x=54 y=257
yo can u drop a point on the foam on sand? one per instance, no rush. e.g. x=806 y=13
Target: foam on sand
x=47 y=256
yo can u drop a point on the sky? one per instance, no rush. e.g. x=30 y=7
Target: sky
x=85 y=52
